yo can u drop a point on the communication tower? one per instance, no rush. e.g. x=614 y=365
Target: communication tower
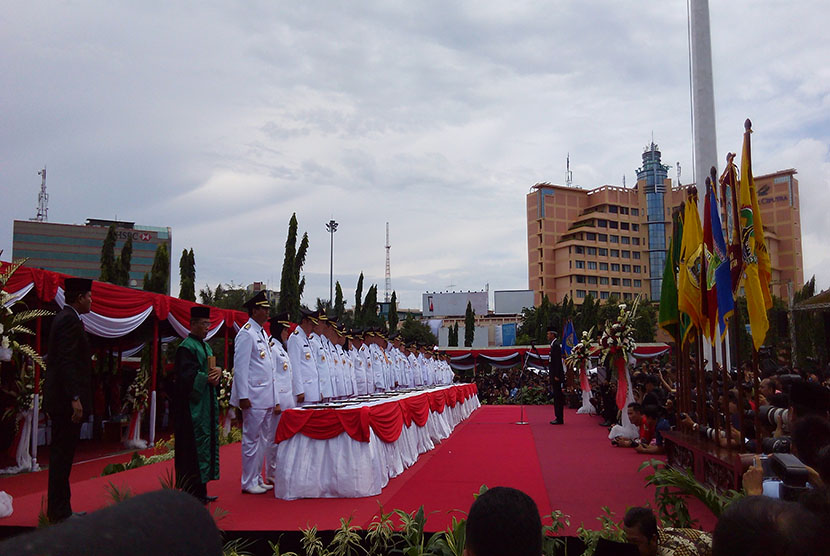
x=388 y=268
x=42 y=199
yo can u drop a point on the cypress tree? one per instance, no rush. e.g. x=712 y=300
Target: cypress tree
x=288 y=286
x=187 y=276
x=469 y=325
x=358 y=308
x=339 y=302
x=370 y=307
x=108 y=257
x=124 y=262
x=393 y=313
x=159 y=278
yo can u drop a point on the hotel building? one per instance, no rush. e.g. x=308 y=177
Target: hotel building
x=613 y=240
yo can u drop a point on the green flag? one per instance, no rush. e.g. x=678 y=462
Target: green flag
x=669 y=318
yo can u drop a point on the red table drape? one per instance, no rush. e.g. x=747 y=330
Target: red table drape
x=385 y=419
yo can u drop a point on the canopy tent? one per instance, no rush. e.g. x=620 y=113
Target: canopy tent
x=117 y=313
x=464 y=359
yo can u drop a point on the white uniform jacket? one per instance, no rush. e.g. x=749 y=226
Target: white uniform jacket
x=304 y=365
x=253 y=375
x=321 y=359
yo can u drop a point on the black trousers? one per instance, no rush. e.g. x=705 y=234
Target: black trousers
x=558 y=401
x=65 y=435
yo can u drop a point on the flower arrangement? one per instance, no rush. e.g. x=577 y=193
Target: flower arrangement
x=581 y=351
x=137 y=395
x=224 y=393
x=12 y=324
x=618 y=337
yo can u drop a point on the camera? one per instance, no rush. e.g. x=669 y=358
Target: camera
x=793 y=475
x=769 y=414
x=781 y=445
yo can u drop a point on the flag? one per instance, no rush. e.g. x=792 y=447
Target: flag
x=757 y=271
x=719 y=301
x=729 y=202
x=569 y=339
x=668 y=318
x=688 y=274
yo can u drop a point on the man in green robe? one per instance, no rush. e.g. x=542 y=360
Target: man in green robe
x=196 y=410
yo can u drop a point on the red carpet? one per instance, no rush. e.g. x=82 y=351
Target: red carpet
x=571 y=467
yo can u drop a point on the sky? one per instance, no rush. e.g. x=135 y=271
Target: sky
x=221 y=119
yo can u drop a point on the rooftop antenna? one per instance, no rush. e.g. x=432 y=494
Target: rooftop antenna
x=569 y=176
x=388 y=268
x=623 y=180
x=42 y=198
x=678 y=173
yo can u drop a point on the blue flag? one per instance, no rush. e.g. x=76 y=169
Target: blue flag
x=719 y=275
x=569 y=339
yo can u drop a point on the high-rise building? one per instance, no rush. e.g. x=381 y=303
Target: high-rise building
x=76 y=250
x=613 y=240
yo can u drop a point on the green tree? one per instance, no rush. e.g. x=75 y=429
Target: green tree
x=415 y=331
x=124 y=262
x=228 y=296
x=339 y=302
x=291 y=285
x=159 y=278
x=452 y=336
x=587 y=316
x=358 y=308
x=469 y=325
x=108 y=269
x=369 y=311
x=187 y=276
x=811 y=349
x=645 y=324
x=393 y=313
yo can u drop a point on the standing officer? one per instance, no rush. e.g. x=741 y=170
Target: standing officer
x=253 y=390
x=302 y=359
x=557 y=377
x=66 y=391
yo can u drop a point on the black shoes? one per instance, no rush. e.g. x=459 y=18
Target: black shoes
x=207 y=499
x=606 y=424
x=557 y=422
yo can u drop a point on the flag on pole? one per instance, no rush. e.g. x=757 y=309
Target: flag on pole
x=756 y=258
x=719 y=301
x=569 y=339
x=669 y=318
x=729 y=202
x=688 y=275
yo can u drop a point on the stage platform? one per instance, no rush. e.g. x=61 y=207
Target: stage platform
x=572 y=468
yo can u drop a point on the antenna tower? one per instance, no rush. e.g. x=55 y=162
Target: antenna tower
x=42 y=198
x=388 y=268
x=678 y=174
x=569 y=176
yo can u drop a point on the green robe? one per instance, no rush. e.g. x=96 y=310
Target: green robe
x=204 y=412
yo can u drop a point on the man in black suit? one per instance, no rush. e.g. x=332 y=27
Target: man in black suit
x=66 y=391
x=557 y=377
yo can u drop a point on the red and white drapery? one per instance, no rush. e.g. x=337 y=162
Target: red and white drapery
x=116 y=312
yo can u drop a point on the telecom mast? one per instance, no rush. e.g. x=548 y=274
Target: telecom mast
x=42 y=198
x=569 y=176
x=388 y=268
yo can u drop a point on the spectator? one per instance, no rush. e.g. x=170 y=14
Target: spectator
x=504 y=522
x=640 y=527
x=624 y=436
x=653 y=422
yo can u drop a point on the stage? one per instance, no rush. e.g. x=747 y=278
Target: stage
x=572 y=468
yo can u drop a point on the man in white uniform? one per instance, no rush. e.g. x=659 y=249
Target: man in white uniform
x=358 y=351
x=302 y=359
x=253 y=390
x=321 y=359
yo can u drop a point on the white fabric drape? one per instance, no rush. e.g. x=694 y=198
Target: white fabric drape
x=342 y=467
x=14 y=297
x=107 y=327
x=587 y=407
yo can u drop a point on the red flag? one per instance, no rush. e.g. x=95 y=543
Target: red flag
x=729 y=202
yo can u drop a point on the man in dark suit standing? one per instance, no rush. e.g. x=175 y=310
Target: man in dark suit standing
x=66 y=391
x=557 y=377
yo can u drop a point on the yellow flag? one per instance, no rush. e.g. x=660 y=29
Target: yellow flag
x=688 y=276
x=757 y=271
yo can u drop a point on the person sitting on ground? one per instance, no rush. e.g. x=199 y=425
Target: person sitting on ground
x=504 y=522
x=653 y=422
x=640 y=527
x=625 y=436
x=759 y=525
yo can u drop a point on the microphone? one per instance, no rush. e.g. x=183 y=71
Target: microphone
x=165 y=521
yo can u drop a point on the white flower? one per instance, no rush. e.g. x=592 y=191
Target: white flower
x=1 y=328
x=4 y=343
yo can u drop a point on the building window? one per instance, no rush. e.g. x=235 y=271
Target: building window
x=635 y=227
x=626 y=282
x=614 y=225
x=580 y=279
x=626 y=268
x=603 y=237
x=624 y=226
x=623 y=210
x=635 y=240
x=580 y=294
x=593 y=293
x=626 y=254
x=591 y=250
x=615 y=239
x=615 y=281
x=604 y=295
x=592 y=265
x=592 y=280
x=602 y=223
x=635 y=212
x=636 y=269
x=636 y=255
x=613 y=209
x=615 y=252
x=627 y=296
x=638 y=283
x=603 y=280
x=602 y=251
x=615 y=267
x=603 y=266
x=579 y=264
x=579 y=250
x=591 y=236
x=626 y=240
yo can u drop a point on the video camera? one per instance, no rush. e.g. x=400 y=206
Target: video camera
x=792 y=473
